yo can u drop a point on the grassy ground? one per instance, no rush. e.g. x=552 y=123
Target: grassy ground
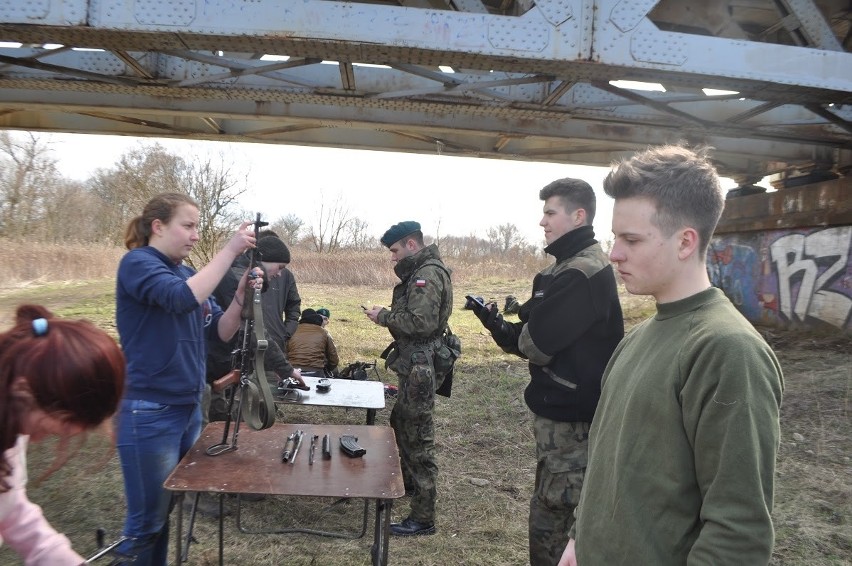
x=485 y=449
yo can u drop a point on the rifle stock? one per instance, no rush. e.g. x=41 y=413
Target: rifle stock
x=226 y=381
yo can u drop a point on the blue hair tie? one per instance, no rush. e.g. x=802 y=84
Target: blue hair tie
x=40 y=326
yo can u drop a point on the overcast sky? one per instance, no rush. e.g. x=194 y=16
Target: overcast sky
x=454 y=195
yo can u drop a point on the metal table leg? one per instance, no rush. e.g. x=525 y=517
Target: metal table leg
x=221 y=529
x=192 y=515
x=179 y=497
x=381 y=535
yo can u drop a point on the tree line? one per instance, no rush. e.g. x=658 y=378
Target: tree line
x=38 y=203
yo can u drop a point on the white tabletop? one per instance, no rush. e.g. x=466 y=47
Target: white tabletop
x=352 y=393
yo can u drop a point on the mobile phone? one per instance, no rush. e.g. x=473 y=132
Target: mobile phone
x=476 y=301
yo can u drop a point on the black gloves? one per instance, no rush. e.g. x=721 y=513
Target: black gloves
x=491 y=318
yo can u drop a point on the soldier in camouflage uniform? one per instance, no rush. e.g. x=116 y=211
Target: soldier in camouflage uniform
x=568 y=330
x=422 y=304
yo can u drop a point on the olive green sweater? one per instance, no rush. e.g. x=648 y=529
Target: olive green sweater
x=682 y=448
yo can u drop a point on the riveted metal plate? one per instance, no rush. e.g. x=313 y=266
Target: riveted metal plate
x=48 y=12
x=511 y=33
x=24 y=12
x=103 y=63
x=667 y=49
x=177 y=69
x=555 y=11
x=165 y=12
x=627 y=14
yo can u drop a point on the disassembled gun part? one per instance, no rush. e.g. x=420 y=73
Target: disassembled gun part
x=288 y=447
x=313 y=450
x=300 y=435
x=349 y=445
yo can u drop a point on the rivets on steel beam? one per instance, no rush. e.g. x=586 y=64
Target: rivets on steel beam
x=528 y=37
x=627 y=14
x=652 y=49
x=165 y=12
x=555 y=11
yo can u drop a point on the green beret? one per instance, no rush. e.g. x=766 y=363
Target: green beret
x=399 y=231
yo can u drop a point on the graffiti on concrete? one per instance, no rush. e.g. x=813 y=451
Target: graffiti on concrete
x=788 y=276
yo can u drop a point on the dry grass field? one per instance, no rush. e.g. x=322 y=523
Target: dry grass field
x=485 y=447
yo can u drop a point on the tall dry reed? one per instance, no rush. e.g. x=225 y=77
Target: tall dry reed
x=26 y=263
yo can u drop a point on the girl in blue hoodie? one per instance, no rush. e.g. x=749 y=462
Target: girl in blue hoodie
x=165 y=315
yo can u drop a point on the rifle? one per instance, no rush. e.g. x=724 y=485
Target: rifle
x=255 y=393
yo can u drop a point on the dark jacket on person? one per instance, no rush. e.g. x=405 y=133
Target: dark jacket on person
x=568 y=329
x=219 y=360
x=282 y=297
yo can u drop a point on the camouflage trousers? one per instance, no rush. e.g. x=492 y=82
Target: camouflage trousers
x=561 y=452
x=412 y=422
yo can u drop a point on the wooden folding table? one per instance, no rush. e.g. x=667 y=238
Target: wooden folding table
x=256 y=467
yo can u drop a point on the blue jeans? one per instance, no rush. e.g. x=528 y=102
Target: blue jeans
x=152 y=438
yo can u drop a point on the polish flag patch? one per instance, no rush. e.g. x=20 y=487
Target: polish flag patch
x=420 y=283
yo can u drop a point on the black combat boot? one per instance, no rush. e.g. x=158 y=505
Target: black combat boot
x=409 y=528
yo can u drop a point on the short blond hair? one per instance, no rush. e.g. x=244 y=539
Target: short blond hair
x=682 y=183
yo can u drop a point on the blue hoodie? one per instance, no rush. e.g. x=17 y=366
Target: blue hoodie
x=163 y=329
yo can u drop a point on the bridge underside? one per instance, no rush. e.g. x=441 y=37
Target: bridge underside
x=510 y=79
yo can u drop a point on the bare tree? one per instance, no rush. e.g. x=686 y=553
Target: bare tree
x=216 y=190
x=288 y=228
x=68 y=214
x=505 y=237
x=143 y=172
x=27 y=173
x=125 y=188
x=332 y=220
x=464 y=247
x=358 y=236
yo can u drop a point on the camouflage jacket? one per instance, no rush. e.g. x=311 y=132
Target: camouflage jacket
x=422 y=301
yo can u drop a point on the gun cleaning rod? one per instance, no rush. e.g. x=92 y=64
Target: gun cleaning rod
x=300 y=435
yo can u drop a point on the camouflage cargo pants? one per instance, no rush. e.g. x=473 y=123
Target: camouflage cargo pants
x=561 y=453
x=412 y=422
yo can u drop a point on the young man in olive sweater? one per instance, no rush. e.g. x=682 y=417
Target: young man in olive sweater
x=682 y=448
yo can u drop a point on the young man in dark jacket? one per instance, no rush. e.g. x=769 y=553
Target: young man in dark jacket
x=568 y=329
x=281 y=303
x=274 y=257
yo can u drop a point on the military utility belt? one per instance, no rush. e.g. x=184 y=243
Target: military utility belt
x=410 y=345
